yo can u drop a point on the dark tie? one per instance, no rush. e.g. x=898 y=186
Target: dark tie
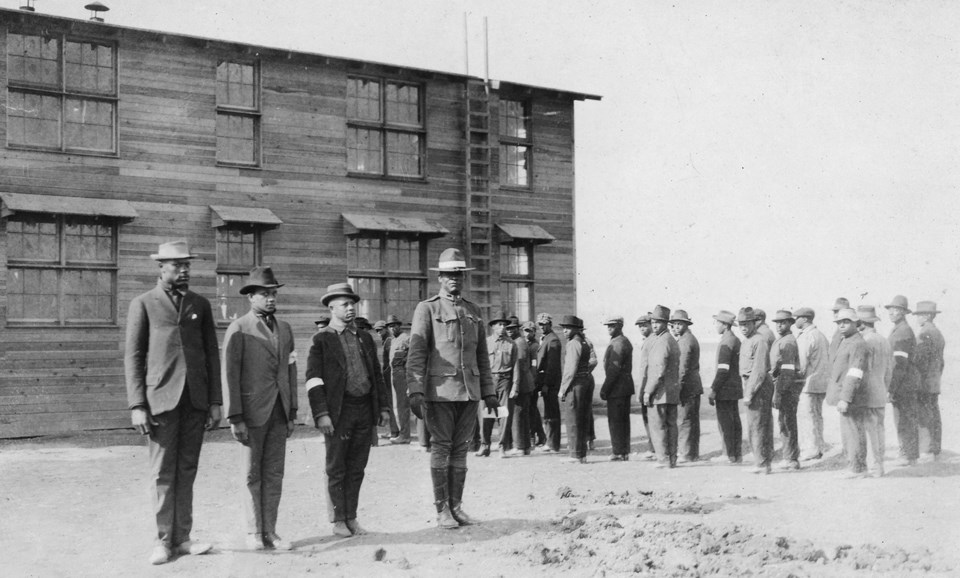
x=176 y=297
x=268 y=320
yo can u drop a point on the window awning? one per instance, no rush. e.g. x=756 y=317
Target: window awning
x=524 y=233
x=20 y=203
x=356 y=224
x=221 y=216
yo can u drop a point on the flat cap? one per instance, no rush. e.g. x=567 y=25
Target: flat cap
x=803 y=312
x=644 y=319
x=544 y=318
x=725 y=317
x=613 y=320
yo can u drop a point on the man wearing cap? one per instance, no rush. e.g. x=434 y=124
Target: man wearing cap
x=380 y=328
x=905 y=383
x=503 y=359
x=348 y=399
x=322 y=320
x=929 y=362
x=260 y=395
x=576 y=388
x=762 y=327
x=840 y=303
x=813 y=352
x=691 y=387
x=850 y=390
x=172 y=367
x=549 y=374
x=618 y=388
x=879 y=373
x=448 y=372
x=757 y=389
x=397 y=362
x=643 y=324
x=528 y=332
x=784 y=360
x=661 y=391
x=522 y=393
x=727 y=387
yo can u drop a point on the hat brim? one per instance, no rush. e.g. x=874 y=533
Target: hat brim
x=250 y=288
x=572 y=326
x=493 y=321
x=687 y=321
x=452 y=270
x=790 y=319
x=905 y=309
x=326 y=299
x=159 y=257
x=934 y=312
x=871 y=320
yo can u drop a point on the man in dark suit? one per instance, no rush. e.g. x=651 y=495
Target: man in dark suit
x=727 y=387
x=260 y=391
x=549 y=373
x=618 y=388
x=346 y=392
x=691 y=387
x=172 y=367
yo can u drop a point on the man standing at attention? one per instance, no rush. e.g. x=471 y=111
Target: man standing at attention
x=260 y=391
x=549 y=373
x=786 y=393
x=691 y=388
x=727 y=388
x=813 y=352
x=448 y=372
x=347 y=395
x=905 y=384
x=618 y=388
x=757 y=390
x=929 y=362
x=661 y=390
x=172 y=366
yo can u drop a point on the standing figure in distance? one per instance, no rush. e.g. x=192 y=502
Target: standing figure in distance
x=727 y=388
x=691 y=387
x=576 y=388
x=813 y=352
x=786 y=394
x=549 y=374
x=661 y=389
x=643 y=324
x=929 y=361
x=757 y=390
x=397 y=363
x=850 y=388
x=618 y=388
x=905 y=384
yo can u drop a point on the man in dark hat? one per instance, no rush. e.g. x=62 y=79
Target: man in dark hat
x=385 y=338
x=535 y=420
x=448 y=373
x=840 y=303
x=727 y=387
x=929 y=362
x=786 y=393
x=549 y=374
x=757 y=390
x=260 y=395
x=691 y=387
x=503 y=358
x=618 y=387
x=643 y=323
x=399 y=344
x=171 y=337
x=813 y=352
x=347 y=396
x=905 y=383
x=849 y=389
x=576 y=388
x=661 y=391
x=322 y=320
x=522 y=394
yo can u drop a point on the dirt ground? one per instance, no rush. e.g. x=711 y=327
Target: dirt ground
x=79 y=506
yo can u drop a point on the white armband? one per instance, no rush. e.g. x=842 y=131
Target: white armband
x=902 y=354
x=725 y=366
x=788 y=366
x=292 y=358
x=313 y=382
x=855 y=372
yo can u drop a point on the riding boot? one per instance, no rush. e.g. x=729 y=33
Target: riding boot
x=441 y=499
x=458 y=477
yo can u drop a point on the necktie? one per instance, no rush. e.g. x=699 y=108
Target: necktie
x=268 y=320
x=176 y=297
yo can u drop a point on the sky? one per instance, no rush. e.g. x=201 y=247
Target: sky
x=768 y=153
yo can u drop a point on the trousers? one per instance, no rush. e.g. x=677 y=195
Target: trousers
x=346 y=459
x=787 y=419
x=906 y=419
x=862 y=427
x=451 y=424
x=520 y=419
x=535 y=420
x=663 y=427
x=504 y=424
x=929 y=419
x=263 y=458
x=618 y=420
x=760 y=427
x=810 y=423
x=731 y=429
x=551 y=416
x=688 y=421
x=646 y=427
x=578 y=406
x=401 y=403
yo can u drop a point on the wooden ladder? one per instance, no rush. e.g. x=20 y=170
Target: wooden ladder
x=479 y=229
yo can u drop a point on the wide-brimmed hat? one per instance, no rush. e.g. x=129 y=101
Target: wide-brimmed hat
x=746 y=314
x=452 y=260
x=725 y=316
x=899 y=301
x=544 y=318
x=379 y=324
x=680 y=316
x=613 y=320
x=339 y=290
x=660 y=313
x=571 y=321
x=644 y=319
x=362 y=323
x=323 y=319
x=500 y=316
x=926 y=308
x=393 y=320
x=846 y=314
x=758 y=313
x=783 y=315
x=840 y=303
x=867 y=314
x=803 y=312
x=173 y=251
x=260 y=277
x=514 y=321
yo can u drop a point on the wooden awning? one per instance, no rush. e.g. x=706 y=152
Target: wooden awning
x=51 y=204
x=513 y=233
x=354 y=224
x=221 y=216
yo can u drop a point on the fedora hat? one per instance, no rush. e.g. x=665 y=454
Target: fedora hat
x=393 y=320
x=660 y=313
x=725 y=316
x=899 y=301
x=643 y=319
x=571 y=321
x=499 y=317
x=926 y=308
x=681 y=316
x=173 y=251
x=260 y=277
x=323 y=320
x=362 y=323
x=380 y=324
x=840 y=303
x=746 y=314
x=452 y=260
x=613 y=320
x=867 y=313
x=514 y=321
x=803 y=312
x=846 y=314
x=339 y=290
x=783 y=315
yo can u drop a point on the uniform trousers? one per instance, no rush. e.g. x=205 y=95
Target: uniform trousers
x=578 y=407
x=929 y=419
x=688 y=421
x=860 y=427
x=810 y=423
x=551 y=416
x=346 y=459
x=731 y=429
x=760 y=428
x=663 y=427
x=905 y=417
x=646 y=427
x=519 y=418
x=787 y=419
x=174 y=450
x=423 y=433
x=263 y=458
x=450 y=423
x=401 y=403
x=535 y=420
x=504 y=383
x=392 y=422
x=618 y=420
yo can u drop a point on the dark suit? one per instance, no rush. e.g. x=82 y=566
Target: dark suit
x=260 y=390
x=172 y=366
x=929 y=362
x=348 y=448
x=727 y=390
x=549 y=373
x=691 y=389
x=904 y=389
x=617 y=389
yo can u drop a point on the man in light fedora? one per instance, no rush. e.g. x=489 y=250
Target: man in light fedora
x=813 y=353
x=576 y=388
x=448 y=373
x=850 y=389
x=903 y=393
x=661 y=390
x=348 y=399
x=784 y=360
x=691 y=387
x=260 y=395
x=618 y=388
x=727 y=387
x=757 y=390
x=930 y=344
x=172 y=366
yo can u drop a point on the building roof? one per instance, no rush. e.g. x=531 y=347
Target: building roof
x=532 y=233
x=222 y=215
x=354 y=224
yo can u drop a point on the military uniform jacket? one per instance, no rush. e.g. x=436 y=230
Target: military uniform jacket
x=690 y=384
x=663 y=370
x=643 y=361
x=783 y=365
x=577 y=366
x=929 y=359
x=727 y=384
x=849 y=372
x=398 y=359
x=618 y=369
x=814 y=354
x=447 y=359
x=906 y=378
x=879 y=368
x=549 y=369
x=755 y=368
x=524 y=372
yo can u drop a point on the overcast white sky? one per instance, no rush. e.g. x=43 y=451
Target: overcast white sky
x=772 y=153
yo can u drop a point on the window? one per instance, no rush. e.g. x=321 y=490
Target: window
x=238 y=114
x=389 y=274
x=62 y=270
x=385 y=133
x=516 y=280
x=61 y=94
x=238 y=251
x=516 y=143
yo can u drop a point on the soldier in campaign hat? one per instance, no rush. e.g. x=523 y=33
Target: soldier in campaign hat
x=618 y=388
x=929 y=362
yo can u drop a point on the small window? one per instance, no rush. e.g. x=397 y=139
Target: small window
x=516 y=280
x=388 y=272
x=238 y=251
x=516 y=143
x=385 y=134
x=238 y=113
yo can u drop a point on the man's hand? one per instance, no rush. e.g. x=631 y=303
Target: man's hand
x=416 y=404
x=843 y=406
x=646 y=400
x=213 y=417
x=142 y=421
x=239 y=431
x=493 y=404
x=384 y=417
x=712 y=397
x=291 y=425
x=514 y=393
x=325 y=425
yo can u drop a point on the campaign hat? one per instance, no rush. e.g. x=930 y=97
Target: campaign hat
x=452 y=260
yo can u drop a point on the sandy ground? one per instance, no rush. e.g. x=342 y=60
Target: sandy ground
x=79 y=506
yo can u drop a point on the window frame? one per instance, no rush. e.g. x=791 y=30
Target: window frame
x=384 y=126
x=242 y=271
x=64 y=94
x=383 y=275
x=507 y=141
x=255 y=113
x=529 y=280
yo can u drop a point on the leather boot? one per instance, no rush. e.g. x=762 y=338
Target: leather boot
x=458 y=477
x=441 y=499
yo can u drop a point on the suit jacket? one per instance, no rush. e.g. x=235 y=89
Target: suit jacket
x=399 y=346
x=618 y=369
x=549 y=368
x=930 y=345
x=690 y=383
x=849 y=378
x=167 y=350
x=727 y=385
x=906 y=378
x=879 y=368
x=663 y=370
x=579 y=361
x=755 y=368
x=259 y=366
x=327 y=375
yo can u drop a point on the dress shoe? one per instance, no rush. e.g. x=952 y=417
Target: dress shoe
x=445 y=520
x=788 y=465
x=271 y=540
x=355 y=528
x=484 y=451
x=906 y=462
x=810 y=457
x=399 y=441
x=341 y=529
x=616 y=458
x=161 y=555
x=255 y=542
x=189 y=548
x=761 y=470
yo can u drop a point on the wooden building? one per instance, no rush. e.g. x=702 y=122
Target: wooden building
x=118 y=139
